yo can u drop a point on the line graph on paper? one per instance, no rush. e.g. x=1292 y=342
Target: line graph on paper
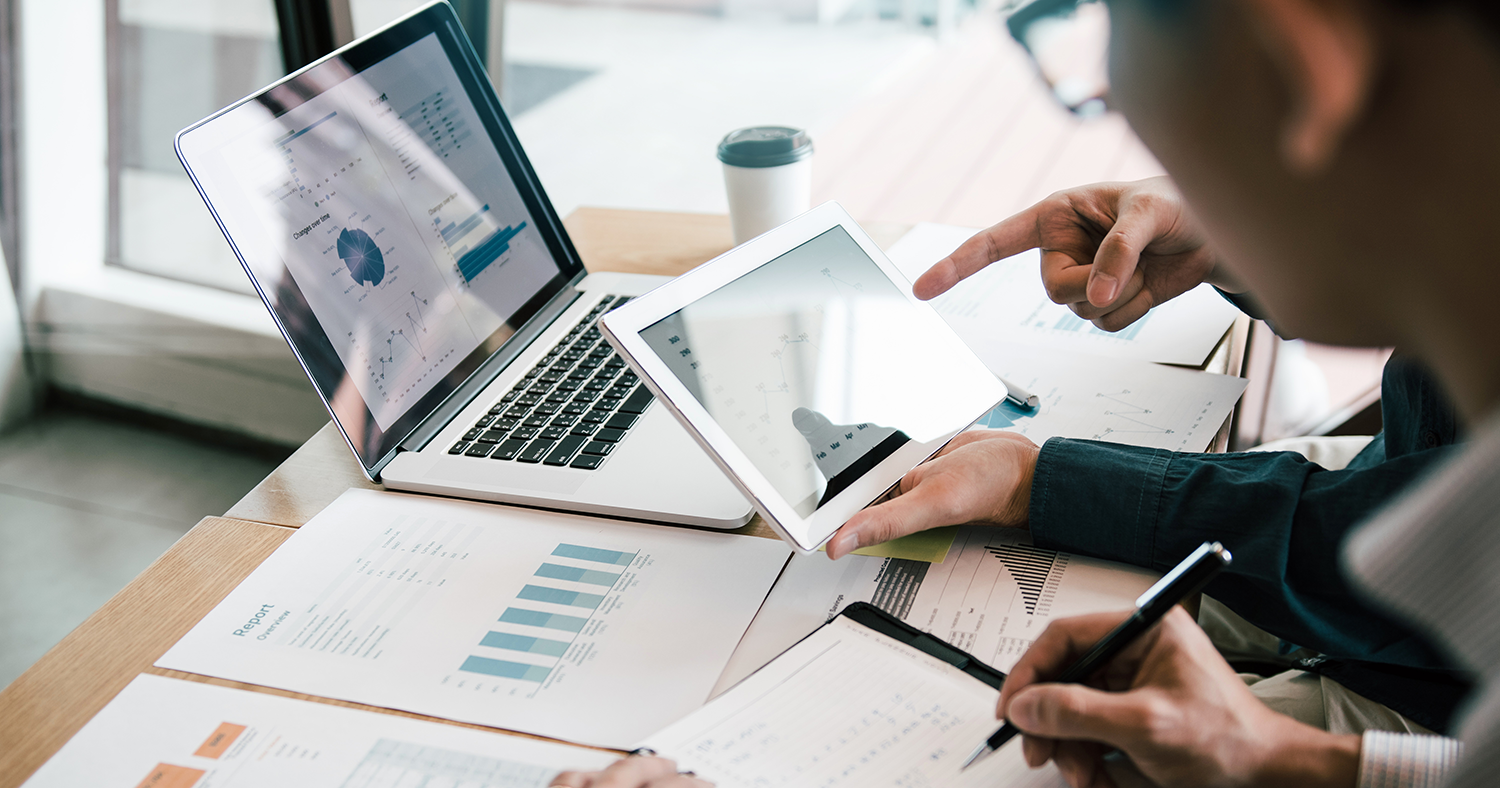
x=1129 y=418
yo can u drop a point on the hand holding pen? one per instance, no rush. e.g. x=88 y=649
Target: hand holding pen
x=1061 y=641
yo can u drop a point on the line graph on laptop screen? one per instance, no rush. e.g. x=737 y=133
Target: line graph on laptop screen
x=395 y=215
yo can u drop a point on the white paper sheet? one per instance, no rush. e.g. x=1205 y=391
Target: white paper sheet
x=1006 y=302
x=573 y=627
x=1108 y=399
x=992 y=597
x=164 y=733
x=849 y=707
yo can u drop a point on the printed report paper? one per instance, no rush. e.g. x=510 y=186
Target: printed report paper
x=849 y=707
x=1109 y=399
x=165 y=733
x=1005 y=302
x=992 y=597
x=574 y=627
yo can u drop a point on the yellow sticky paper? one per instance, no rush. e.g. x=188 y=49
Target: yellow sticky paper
x=930 y=546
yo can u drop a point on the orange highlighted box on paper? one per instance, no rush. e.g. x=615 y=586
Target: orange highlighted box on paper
x=219 y=742
x=165 y=775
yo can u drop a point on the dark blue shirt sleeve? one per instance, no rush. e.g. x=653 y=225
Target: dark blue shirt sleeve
x=1282 y=517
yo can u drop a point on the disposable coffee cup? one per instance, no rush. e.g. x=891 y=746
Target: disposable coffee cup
x=768 y=175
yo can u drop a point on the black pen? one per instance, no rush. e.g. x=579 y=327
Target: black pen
x=1186 y=579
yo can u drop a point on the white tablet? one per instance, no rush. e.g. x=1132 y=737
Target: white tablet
x=805 y=366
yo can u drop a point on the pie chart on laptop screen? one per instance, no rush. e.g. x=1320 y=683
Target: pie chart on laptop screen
x=359 y=252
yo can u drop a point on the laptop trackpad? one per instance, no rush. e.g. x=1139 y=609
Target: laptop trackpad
x=513 y=475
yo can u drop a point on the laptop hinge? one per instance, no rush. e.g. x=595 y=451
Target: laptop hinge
x=493 y=366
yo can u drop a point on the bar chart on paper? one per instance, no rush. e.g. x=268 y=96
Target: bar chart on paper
x=545 y=620
x=495 y=615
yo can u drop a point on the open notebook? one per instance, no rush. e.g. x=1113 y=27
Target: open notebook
x=866 y=700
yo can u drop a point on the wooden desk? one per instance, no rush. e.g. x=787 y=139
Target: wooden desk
x=43 y=708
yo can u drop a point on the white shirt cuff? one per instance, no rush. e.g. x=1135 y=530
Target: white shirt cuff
x=1405 y=760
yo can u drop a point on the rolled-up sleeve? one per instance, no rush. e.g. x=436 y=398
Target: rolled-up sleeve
x=1282 y=516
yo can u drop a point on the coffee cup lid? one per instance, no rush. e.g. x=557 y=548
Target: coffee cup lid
x=764 y=146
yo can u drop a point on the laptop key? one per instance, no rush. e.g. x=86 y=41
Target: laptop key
x=479 y=449
x=535 y=451
x=546 y=409
x=508 y=449
x=559 y=396
x=484 y=422
x=535 y=421
x=587 y=462
x=598 y=447
x=524 y=433
x=609 y=435
x=584 y=396
x=575 y=409
x=492 y=436
x=472 y=434
x=636 y=403
x=458 y=448
x=554 y=433
x=583 y=428
x=620 y=421
x=565 y=450
x=563 y=420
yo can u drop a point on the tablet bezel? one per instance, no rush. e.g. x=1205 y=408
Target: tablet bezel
x=622 y=328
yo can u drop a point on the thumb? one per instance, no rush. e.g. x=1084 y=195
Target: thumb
x=1073 y=711
x=1139 y=224
x=906 y=514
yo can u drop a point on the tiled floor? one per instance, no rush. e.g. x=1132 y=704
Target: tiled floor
x=86 y=503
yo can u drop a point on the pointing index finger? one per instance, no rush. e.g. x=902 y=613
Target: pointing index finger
x=1010 y=237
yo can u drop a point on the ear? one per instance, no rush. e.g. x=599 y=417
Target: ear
x=1325 y=50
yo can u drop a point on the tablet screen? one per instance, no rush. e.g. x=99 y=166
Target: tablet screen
x=816 y=365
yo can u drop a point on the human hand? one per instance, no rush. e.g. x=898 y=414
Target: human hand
x=1110 y=251
x=980 y=476
x=1171 y=704
x=632 y=772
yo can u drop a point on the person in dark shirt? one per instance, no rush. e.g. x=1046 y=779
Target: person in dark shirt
x=1281 y=515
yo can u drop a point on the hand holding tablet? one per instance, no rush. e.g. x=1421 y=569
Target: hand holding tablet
x=804 y=365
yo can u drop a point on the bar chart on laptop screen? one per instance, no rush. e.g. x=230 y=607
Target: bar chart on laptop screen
x=551 y=622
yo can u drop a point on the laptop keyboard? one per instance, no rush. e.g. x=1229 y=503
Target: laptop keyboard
x=571 y=409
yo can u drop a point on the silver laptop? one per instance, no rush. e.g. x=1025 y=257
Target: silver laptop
x=386 y=213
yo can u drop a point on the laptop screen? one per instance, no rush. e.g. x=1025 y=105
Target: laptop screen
x=384 y=209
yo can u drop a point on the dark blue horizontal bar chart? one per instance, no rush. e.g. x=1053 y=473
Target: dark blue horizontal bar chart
x=530 y=645
x=506 y=670
x=557 y=596
x=595 y=554
x=535 y=618
x=472 y=262
x=578 y=575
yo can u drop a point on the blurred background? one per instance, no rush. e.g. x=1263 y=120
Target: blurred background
x=142 y=384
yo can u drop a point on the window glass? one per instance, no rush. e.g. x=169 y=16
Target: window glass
x=173 y=62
